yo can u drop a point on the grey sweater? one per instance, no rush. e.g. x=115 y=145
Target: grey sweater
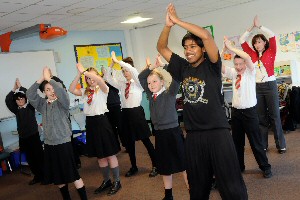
x=162 y=111
x=56 y=125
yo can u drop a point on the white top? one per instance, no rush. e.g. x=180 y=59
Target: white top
x=98 y=105
x=261 y=73
x=135 y=91
x=245 y=96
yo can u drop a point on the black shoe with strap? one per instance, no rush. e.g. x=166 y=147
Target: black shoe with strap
x=104 y=186
x=132 y=171
x=116 y=186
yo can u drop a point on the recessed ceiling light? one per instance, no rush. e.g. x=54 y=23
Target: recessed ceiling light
x=135 y=19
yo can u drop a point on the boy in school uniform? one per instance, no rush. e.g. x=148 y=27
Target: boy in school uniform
x=244 y=118
x=29 y=138
x=209 y=146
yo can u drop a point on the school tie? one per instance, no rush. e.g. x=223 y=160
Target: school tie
x=238 y=81
x=154 y=97
x=127 y=90
x=90 y=96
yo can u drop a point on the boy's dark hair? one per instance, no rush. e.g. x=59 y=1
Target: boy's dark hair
x=128 y=60
x=42 y=86
x=236 y=56
x=18 y=95
x=191 y=36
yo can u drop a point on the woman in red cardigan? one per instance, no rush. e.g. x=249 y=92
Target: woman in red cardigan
x=263 y=56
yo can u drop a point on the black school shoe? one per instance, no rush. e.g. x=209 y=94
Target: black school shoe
x=267 y=173
x=104 y=186
x=132 y=171
x=153 y=172
x=282 y=151
x=116 y=186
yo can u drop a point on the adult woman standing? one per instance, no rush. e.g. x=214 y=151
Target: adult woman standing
x=263 y=56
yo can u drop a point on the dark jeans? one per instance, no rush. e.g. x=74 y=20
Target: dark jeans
x=246 y=121
x=268 y=108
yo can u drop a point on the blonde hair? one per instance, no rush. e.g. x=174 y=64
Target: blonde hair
x=87 y=89
x=162 y=75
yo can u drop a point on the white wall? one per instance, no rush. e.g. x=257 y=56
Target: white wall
x=280 y=16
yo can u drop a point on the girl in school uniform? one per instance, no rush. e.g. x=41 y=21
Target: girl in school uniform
x=100 y=139
x=134 y=124
x=60 y=167
x=169 y=141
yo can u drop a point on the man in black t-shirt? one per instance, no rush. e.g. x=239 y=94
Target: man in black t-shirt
x=209 y=145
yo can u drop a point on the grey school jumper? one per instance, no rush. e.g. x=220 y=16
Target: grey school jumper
x=164 y=106
x=56 y=125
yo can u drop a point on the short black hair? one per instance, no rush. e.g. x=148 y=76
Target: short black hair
x=236 y=56
x=42 y=85
x=191 y=36
x=18 y=95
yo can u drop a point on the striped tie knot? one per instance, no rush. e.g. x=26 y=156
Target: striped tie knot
x=90 y=96
x=127 y=90
x=154 y=97
x=238 y=81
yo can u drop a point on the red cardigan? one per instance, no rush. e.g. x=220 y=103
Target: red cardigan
x=268 y=57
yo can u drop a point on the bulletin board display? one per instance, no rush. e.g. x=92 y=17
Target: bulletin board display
x=97 y=56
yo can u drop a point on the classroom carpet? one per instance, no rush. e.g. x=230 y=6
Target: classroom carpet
x=284 y=185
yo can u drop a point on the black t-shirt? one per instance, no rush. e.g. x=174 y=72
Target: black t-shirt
x=203 y=100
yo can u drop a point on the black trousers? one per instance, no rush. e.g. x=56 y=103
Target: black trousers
x=150 y=148
x=246 y=121
x=208 y=153
x=115 y=118
x=32 y=147
x=268 y=109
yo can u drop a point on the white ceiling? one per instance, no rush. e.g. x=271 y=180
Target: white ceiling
x=86 y=15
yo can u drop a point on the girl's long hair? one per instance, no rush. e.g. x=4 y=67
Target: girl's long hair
x=87 y=89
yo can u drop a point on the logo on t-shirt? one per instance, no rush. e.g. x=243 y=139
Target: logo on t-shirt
x=193 y=90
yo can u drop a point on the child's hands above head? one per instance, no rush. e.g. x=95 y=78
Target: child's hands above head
x=148 y=64
x=103 y=70
x=16 y=85
x=227 y=43
x=47 y=74
x=80 y=68
x=114 y=58
x=158 y=61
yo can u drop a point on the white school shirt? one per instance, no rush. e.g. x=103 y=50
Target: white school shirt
x=245 y=96
x=135 y=91
x=98 y=105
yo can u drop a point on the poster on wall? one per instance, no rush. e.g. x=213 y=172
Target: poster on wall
x=289 y=42
x=97 y=56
